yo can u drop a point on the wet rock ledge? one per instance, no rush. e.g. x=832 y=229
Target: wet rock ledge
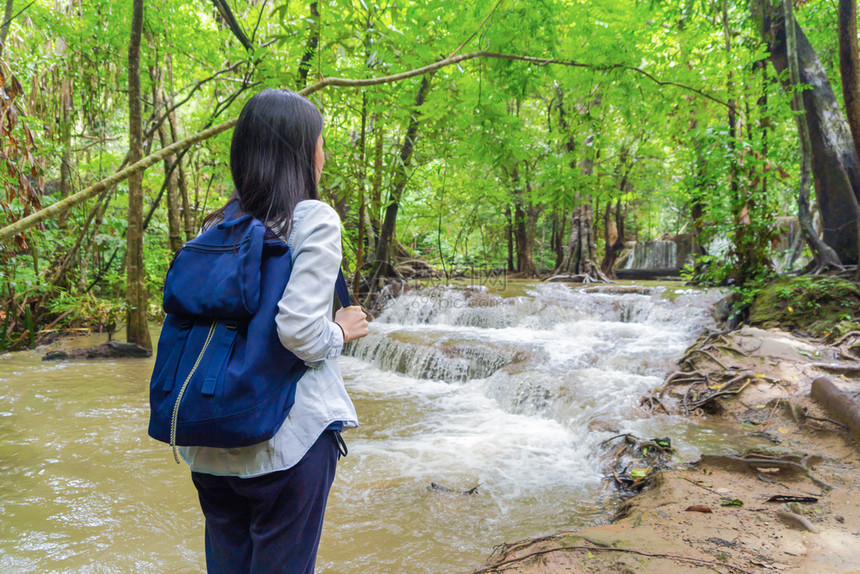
x=109 y=350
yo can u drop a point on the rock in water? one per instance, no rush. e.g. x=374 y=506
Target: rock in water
x=109 y=350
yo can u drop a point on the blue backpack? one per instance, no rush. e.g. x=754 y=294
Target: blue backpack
x=222 y=378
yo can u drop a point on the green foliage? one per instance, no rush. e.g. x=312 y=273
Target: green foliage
x=89 y=311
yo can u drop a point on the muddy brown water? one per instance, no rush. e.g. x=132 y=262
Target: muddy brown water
x=84 y=489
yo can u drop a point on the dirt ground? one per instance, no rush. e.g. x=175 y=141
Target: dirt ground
x=689 y=518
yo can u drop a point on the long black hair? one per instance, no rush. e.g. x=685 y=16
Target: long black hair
x=272 y=157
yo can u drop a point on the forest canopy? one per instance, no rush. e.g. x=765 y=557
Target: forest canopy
x=536 y=138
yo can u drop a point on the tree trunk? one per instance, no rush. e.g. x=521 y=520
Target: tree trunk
x=87 y=255
x=376 y=191
x=382 y=258
x=187 y=215
x=137 y=330
x=614 y=237
x=581 y=250
x=525 y=229
x=849 y=67
x=310 y=46
x=732 y=111
x=558 y=231
x=66 y=142
x=823 y=253
x=835 y=166
x=174 y=232
x=4 y=29
x=509 y=236
x=171 y=173
x=362 y=189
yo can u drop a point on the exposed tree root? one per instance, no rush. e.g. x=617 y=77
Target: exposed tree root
x=495 y=568
x=584 y=278
x=853 y=334
x=793 y=519
x=835 y=368
x=732 y=387
x=753 y=461
x=708 y=355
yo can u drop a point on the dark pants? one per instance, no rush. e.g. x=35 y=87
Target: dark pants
x=270 y=523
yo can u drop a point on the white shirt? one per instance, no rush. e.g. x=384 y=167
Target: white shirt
x=305 y=327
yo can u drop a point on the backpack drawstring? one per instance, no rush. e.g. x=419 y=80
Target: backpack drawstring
x=341 y=445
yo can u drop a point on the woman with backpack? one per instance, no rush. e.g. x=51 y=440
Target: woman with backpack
x=264 y=503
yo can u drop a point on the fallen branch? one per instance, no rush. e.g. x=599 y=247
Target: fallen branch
x=596 y=549
x=49 y=328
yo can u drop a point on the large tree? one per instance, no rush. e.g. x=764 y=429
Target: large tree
x=835 y=166
x=136 y=296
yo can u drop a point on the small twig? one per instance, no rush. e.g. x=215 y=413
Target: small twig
x=659 y=402
x=638 y=520
x=684 y=402
x=610 y=439
x=690 y=480
x=825 y=420
x=679 y=378
x=773 y=410
x=496 y=567
x=475 y=33
x=734 y=349
x=21 y=11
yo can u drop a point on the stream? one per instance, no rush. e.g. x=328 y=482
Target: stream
x=510 y=389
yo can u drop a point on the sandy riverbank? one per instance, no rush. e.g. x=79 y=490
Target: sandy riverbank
x=683 y=523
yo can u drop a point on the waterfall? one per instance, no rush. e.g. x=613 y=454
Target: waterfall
x=567 y=354
x=656 y=254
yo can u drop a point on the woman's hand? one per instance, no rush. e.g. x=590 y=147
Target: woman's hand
x=353 y=321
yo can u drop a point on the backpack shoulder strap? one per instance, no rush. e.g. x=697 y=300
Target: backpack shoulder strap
x=341 y=289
